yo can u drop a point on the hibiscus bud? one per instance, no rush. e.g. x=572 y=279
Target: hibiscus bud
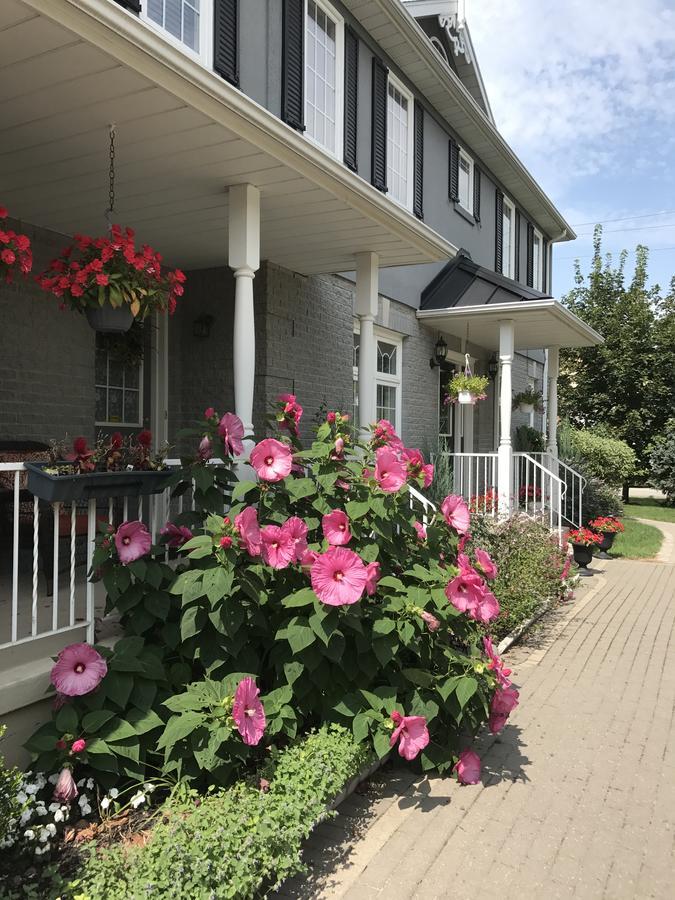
x=209 y=413
x=61 y=744
x=226 y=520
x=226 y=541
x=205 y=449
x=79 y=745
x=330 y=418
x=66 y=789
x=339 y=445
x=432 y=623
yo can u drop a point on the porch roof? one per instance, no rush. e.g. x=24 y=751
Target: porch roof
x=72 y=67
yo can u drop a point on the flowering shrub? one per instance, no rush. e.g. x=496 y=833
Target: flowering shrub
x=111 y=453
x=320 y=586
x=583 y=536
x=15 y=252
x=607 y=524
x=94 y=271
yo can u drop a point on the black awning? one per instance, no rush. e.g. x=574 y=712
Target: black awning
x=463 y=282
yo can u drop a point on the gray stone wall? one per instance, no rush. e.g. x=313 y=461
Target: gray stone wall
x=46 y=356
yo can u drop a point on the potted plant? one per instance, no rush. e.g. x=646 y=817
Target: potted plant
x=527 y=401
x=112 y=281
x=465 y=388
x=15 y=252
x=583 y=540
x=114 y=467
x=607 y=527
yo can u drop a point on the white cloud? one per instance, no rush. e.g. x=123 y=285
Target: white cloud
x=579 y=87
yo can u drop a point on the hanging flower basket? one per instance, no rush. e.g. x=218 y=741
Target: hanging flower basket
x=15 y=252
x=528 y=401
x=112 y=281
x=465 y=388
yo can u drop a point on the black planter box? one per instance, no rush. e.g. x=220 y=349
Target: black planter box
x=92 y=485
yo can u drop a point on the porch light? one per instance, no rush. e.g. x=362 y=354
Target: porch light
x=201 y=327
x=493 y=366
x=440 y=353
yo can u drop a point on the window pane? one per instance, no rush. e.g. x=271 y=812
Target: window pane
x=179 y=18
x=190 y=27
x=131 y=406
x=321 y=76
x=464 y=182
x=507 y=238
x=386 y=358
x=115 y=373
x=355 y=361
x=115 y=405
x=172 y=17
x=397 y=144
x=101 y=411
x=156 y=11
x=386 y=403
x=131 y=376
x=101 y=367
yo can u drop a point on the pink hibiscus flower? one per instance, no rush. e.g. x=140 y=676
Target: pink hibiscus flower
x=132 y=540
x=307 y=560
x=504 y=701
x=430 y=620
x=271 y=459
x=390 y=472
x=373 y=573
x=421 y=531
x=338 y=577
x=246 y=523
x=66 y=789
x=277 y=547
x=231 y=430
x=412 y=734
x=175 y=535
x=205 y=451
x=335 y=527
x=297 y=531
x=485 y=564
x=248 y=712
x=496 y=664
x=467 y=767
x=384 y=435
x=78 y=670
x=79 y=746
x=465 y=590
x=456 y=513
x=486 y=609
x=417 y=468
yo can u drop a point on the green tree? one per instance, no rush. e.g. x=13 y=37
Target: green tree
x=626 y=385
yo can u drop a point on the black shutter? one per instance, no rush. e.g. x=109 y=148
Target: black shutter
x=225 y=39
x=516 y=269
x=530 y=254
x=418 y=176
x=476 y=193
x=351 y=96
x=293 y=64
x=453 y=170
x=544 y=265
x=499 y=231
x=378 y=175
x=133 y=6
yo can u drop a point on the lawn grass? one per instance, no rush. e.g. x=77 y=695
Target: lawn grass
x=638 y=541
x=648 y=508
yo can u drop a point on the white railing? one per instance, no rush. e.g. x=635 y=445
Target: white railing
x=538 y=492
x=474 y=476
x=418 y=502
x=573 y=491
x=40 y=597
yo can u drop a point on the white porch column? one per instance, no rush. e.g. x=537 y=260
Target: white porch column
x=244 y=258
x=505 y=451
x=367 y=272
x=160 y=379
x=552 y=405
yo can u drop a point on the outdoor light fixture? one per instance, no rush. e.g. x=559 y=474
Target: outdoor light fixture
x=440 y=353
x=493 y=366
x=201 y=326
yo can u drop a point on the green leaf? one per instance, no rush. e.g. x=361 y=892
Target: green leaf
x=356 y=509
x=241 y=489
x=218 y=583
x=448 y=686
x=466 y=688
x=300 y=487
x=158 y=603
x=97 y=746
x=117 y=730
x=95 y=720
x=420 y=677
x=323 y=623
x=327 y=482
x=392 y=582
x=179 y=727
x=361 y=727
x=129 y=646
x=385 y=648
x=293 y=670
x=350 y=705
x=381 y=743
x=118 y=687
x=303 y=597
x=142 y=722
x=383 y=626
x=192 y=621
x=67 y=720
x=299 y=637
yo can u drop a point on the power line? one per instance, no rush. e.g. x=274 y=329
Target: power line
x=665 y=212
x=602 y=255
x=637 y=228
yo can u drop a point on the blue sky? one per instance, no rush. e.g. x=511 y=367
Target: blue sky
x=584 y=91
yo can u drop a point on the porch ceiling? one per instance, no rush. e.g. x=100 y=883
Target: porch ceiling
x=71 y=67
x=537 y=323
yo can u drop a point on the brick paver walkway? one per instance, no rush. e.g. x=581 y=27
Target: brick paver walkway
x=578 y=794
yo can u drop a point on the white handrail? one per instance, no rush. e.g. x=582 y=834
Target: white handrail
x=540 y=491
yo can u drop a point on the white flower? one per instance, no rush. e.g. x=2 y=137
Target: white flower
x=114 y=793
x=29 y=834
x=53 y=778
x=44 y=835
x=90 y=784
x=148 y=787
x=85 y=809
x=50 y=828
x=40 y=850
x=41 y=810
x=83 y=800
x=137 y=799
x=105 y=803
x=41 y=781
x=54 y=806
x=31 y=788
x=22 y=797
x=26 y=816
x=80 y=782
x=58 y=815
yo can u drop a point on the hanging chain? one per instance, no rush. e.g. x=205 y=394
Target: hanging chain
x=111 y=180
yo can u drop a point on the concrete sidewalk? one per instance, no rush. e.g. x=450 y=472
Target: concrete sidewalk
x=578 y=793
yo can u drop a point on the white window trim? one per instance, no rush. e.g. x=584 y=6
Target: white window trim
x=205 y=55
x=538 y=273
x=105 y=423
x=391 y=337
x=410 y=168
x=463 y=155
x=331 y=12
x=512 y=249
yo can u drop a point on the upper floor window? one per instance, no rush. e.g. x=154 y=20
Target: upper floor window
x=399 y=143
x=537 y=261
x=324 y=60
x=465 y=181
x=185 y=22
x=508 y=239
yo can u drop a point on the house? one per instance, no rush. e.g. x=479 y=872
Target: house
x=330 y=177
